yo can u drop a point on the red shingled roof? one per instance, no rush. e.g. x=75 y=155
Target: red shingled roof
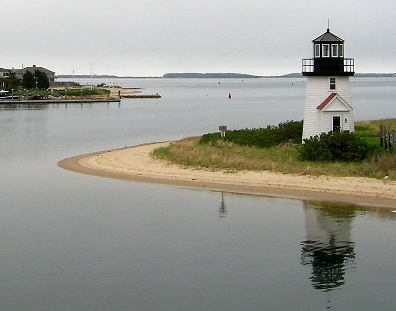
x=326 y=101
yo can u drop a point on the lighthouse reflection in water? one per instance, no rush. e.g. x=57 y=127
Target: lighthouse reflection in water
x=328 y=248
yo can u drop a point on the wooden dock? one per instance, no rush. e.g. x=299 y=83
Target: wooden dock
x=58 y=101
x=140 y=96
x=75 y=100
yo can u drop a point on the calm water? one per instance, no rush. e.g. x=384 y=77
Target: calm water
x=76 y=242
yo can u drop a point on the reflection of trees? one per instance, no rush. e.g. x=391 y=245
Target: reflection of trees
x=328 y=248
x=17 y=106
x=222 y=208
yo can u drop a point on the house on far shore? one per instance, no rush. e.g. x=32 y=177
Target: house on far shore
x=4 y=74
x=20 y=72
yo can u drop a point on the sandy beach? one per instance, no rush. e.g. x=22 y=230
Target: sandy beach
x=136 y=164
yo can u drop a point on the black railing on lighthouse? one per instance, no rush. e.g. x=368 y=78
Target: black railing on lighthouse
x=323 y=66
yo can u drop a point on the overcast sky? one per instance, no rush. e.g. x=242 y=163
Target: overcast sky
x=152 y=37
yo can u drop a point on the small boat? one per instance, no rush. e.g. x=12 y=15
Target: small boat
x=5 y=95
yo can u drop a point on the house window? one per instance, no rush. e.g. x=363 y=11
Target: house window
x=332 y=83
x=336 y=123
x=334 y=50
x=317 y=50
x=325 y=50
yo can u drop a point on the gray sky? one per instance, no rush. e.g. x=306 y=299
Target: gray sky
x=152 y=37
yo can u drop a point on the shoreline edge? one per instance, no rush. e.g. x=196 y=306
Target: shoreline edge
x=136 y=164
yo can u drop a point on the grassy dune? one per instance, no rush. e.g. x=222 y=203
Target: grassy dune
x=283 y=159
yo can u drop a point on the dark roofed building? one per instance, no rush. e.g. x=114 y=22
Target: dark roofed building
x=50 y=74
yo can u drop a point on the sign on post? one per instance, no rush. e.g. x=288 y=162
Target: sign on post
x=223 y=129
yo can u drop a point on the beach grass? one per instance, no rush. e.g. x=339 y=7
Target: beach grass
x=372 y=128
x=283 y=159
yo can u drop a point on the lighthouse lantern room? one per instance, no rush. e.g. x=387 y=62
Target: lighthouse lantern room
x=328 y=105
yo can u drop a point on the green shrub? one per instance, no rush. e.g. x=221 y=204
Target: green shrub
x=335 y=146
x=83 y=92
x=290 y=131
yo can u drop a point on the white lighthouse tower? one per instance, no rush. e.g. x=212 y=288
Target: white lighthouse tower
x=328 y=104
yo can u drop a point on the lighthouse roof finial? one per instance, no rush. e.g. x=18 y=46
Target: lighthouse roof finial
x=327 y=37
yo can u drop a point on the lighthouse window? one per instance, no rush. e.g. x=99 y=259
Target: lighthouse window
x=334 y=50
x=325 y=50
x=317 y=50
x=332 y=83
x=341 y=50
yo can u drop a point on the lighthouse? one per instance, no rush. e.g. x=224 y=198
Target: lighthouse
x=328 y=104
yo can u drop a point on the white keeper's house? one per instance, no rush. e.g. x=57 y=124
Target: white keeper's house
x=328 y=104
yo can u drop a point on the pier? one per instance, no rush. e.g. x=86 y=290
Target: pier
x=58 y=101
x=140 y=96
x=76 y=100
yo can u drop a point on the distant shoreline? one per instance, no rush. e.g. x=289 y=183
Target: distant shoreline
x=216 y=76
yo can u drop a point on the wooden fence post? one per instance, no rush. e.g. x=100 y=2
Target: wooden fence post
x=387 y=138
x=382 y=136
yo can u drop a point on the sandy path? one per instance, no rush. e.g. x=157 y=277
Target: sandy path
x=135 y=163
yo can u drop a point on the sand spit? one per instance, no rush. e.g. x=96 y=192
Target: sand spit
x=136 y=164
